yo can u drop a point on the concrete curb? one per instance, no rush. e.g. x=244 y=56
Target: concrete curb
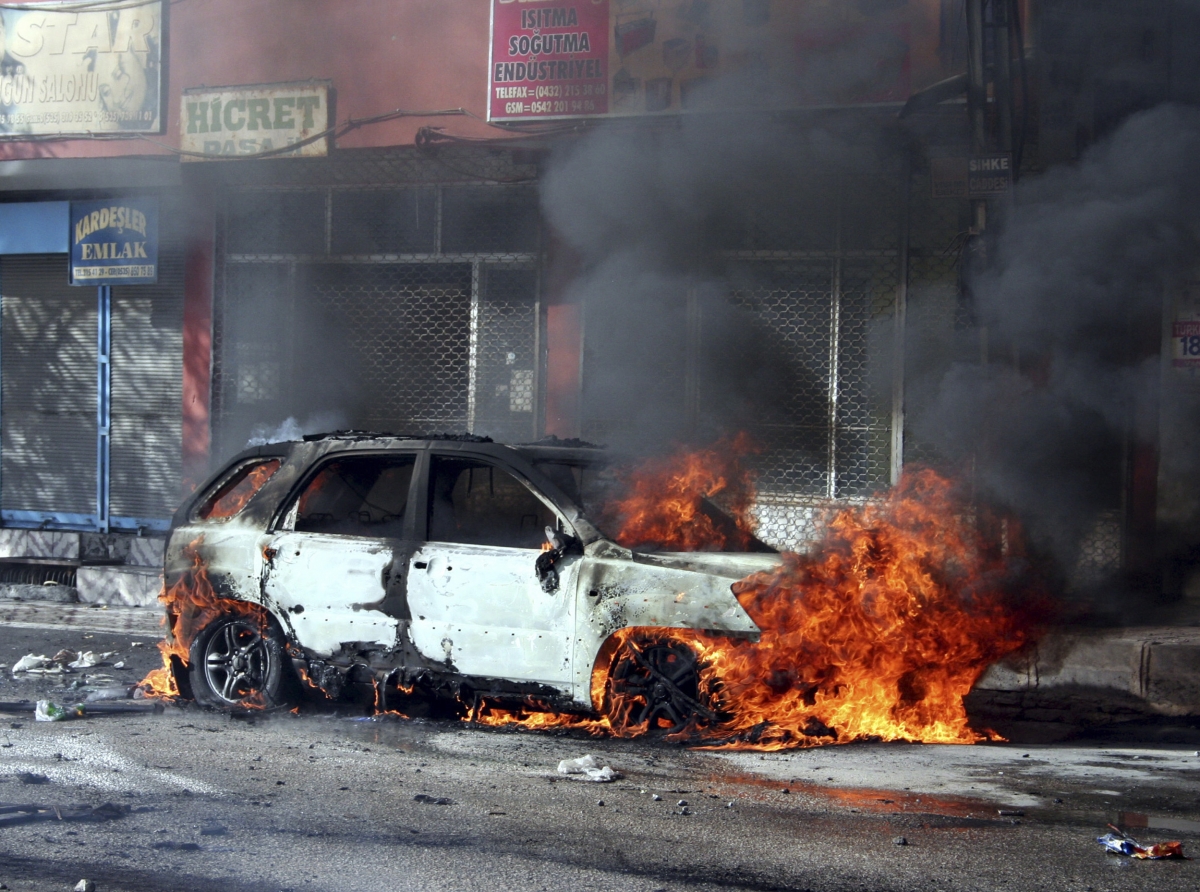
x=1100 y=673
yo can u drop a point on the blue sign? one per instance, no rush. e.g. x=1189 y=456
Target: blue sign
x=114 y=241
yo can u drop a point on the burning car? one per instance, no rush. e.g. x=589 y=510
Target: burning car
x=452 y=567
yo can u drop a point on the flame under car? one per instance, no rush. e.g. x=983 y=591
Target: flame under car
x=447 y=569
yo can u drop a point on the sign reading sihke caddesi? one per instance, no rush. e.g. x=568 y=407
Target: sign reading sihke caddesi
x=231 y=122
x=114 y=241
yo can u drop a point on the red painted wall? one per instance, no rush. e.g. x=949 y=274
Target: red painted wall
x=380 y=54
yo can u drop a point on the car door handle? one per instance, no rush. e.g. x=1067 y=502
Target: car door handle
x=420 y=565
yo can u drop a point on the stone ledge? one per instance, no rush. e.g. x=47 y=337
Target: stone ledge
x=119 y=585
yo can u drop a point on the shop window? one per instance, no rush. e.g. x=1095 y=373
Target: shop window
x=477 y=503
x=489 y=220
x=232 y=495
x=363 y=495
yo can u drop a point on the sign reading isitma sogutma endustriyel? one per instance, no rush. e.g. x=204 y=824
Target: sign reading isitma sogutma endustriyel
x=98 y=70
x=114 y=241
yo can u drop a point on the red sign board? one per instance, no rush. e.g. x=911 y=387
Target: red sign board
x=548 y=61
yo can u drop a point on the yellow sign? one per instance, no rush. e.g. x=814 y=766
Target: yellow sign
x=233 y=122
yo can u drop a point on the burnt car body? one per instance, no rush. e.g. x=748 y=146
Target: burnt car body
x=450 y=566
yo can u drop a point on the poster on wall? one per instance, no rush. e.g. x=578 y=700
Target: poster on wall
x=114 y=241
x=98 y=70
x=596 y=58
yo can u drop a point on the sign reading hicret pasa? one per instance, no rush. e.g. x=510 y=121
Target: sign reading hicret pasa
x=587 y=58
x=95 y=70
x=114 y=241
x=228 y=122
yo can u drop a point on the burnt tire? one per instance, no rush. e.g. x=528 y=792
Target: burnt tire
x=240 y=662
x=655 y=687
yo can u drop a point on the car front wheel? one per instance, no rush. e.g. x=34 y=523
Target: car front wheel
x=239 y=661
x=655 y=686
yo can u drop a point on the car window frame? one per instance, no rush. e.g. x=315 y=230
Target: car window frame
x=285 y=519
x=208 y=493
x=433 y=452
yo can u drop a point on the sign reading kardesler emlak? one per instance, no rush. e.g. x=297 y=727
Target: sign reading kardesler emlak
x=227 y=122
x=114 y=241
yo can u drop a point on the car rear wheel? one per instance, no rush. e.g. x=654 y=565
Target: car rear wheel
x=655 y=686
x=240 y=661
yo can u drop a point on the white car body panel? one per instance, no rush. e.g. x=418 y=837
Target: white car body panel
x=481 y=610
x=326 y=586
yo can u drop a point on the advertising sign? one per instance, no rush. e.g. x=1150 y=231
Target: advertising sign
x=1185 y=341
x=225 y=122
x=590 y=58
x=114 y=241
x=979 y=176
x=93 y=71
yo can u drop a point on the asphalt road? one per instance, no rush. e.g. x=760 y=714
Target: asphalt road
x=322 y=801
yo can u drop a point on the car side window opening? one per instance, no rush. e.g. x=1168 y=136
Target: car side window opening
x=478 y=503
x=232 y=495
x=361 y=495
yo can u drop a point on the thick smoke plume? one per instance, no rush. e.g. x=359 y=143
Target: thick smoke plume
x=1072 y=296
x=648 y=213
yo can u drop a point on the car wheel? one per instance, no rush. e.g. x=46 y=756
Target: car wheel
x=239 y=661
x=655 y=686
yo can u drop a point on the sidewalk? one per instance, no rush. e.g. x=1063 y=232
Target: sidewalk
x=140 y=622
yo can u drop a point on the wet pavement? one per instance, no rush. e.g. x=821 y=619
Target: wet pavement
x=191 y=800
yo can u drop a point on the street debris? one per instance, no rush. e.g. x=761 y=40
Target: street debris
x=899 y=841
x=11 y=815
x=433 y=800
x=89 y=658
x=47 y=711
x=32 y=663
x=62 y=663
x=85 y=886
x=588 y=767
x=1121 y=843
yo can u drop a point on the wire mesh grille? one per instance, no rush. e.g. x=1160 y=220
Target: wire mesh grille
x=406 y=306
x=507 y=354
x=406 y=330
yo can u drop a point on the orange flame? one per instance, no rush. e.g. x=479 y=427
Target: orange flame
x=233 y=496
x=667 y=500
x=191 y=604
x=879 y=633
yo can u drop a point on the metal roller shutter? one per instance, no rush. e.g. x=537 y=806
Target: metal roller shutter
x=48 y=372
x=147 y=394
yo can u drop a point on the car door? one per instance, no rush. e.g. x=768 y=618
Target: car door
x=329 y=563
x=477 y=604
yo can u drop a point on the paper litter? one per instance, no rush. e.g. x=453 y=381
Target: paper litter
x=588 y=767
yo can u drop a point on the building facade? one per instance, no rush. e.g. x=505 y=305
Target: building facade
x=399 y=269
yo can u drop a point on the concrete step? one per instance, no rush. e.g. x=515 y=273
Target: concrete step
x=119 y=585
